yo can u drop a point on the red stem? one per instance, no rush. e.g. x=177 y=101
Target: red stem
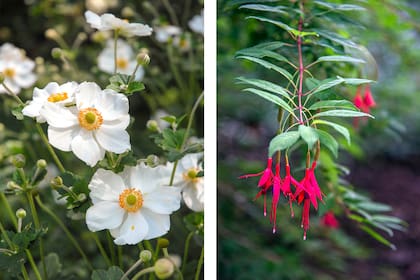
x=301 y=72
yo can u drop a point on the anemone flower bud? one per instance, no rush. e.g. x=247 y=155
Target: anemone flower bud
x=164 y=268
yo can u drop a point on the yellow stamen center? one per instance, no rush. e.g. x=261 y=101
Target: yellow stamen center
x=9 y=72
x=90 y=118
x=131 y=200
x=122 y=63
x=191 y=175
x=57 y=97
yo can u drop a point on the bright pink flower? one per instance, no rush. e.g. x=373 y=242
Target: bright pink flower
x=329 y=220
x=264 y=183
x=305 y=217
x=358 y=100
x=277 y=184
x=368 y=98
x=288 y=180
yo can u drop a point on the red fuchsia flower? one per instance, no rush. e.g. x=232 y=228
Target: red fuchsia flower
x=277 y=183
x=329 y=220
x=309 y=192
x=366 y=102
x=289 y=180
x=358 y=99
x=368 y=98
x=264 y=183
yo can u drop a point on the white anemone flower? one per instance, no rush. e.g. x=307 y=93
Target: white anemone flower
x=191 y=185
x=126 y=60
x=52 y=93
x=166 y=32
x=96 y=124
x=108 y=21
x=197 y=23
x=10 y=52
x=18 y=73
x=133 y=205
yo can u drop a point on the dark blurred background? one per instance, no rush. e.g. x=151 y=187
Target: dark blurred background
x=383 y=161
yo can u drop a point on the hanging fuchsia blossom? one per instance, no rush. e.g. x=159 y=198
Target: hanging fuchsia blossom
x=264 y=183
x=365 y=102
x=288 y=180
x=277 y=186
x=368 y=98
x=329 y=220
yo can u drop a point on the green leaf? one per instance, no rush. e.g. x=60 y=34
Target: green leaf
x=326 y=84
x=377 y=236
x=272 y=98
x=311 y=83
x=328 y=141
x=271 y=46
x=333 y=104
x=283 y=141
x=269 y=66
x=265 y=85
x=388 y=219
x=113 y=273
x=340 y=7
x=265 y=8
x=339 y=128
x=194 y=222
x=342 y=113
x=308 y=134
x=277 y=23
x=53 y=265
x=261 y=53
x=354 y=81
x=334 y=37
x=17 y=112
x=340 y=58
x=134 y=86
x=374 y=206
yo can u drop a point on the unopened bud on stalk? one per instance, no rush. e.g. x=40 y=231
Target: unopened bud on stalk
x=81 y=197
x=51 y=34
x=56 y=183
x=13 y=186
x=145 y=255
x=20 y=213
x=152 y=160
x=164 y=268
x=143 y=57
x=153 y=126
x=56 y=53
x=163 y=243
x=18 y=160
x=128 y=12
x=1 y=77
x=41 y=164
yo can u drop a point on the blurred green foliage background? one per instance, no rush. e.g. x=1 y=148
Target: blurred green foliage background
x=383 y=160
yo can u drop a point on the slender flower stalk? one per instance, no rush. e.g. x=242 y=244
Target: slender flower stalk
x=301 y=72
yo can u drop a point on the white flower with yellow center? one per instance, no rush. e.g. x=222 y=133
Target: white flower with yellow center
x=192 y=186
x=96 y=124
x=126 y=60
x=16 y=68
x=52 y=93
x=166 y=32
x=107 y=22
x=133 y=205
x=197 y=23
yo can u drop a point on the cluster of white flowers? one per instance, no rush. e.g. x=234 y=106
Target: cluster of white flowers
x=16 y=68
x=83 y=118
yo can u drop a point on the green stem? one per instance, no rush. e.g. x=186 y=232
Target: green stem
x=111 y=247
x=131 y=269
x=171 y=181
x=110 y=158
x=186 y=249
x=101 y=249
x=33 y=265
x=200 y=263
x=49 y=148
x=143 y=272
x=134 y=73
x=171 y=12
x=37 y=227
x=115 y=51
x=66 y=231
x=120 y=256
x=6 y=237
x=174 y=69
x=24 y=272
x=166 y=254
x=18 y=100
x=8 y=209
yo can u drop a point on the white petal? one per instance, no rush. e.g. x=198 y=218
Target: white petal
x=105 y=185
x=112 y=105
x=104 y=215
x=133 y=230
x=87 y=95
x=147 y=179
x=193 y=196
x=159 y=224
x=32 y=109
x=137 y=29
x=114 y=140
x=61 y=138
x=93 y=19
x=163 y=200
x=106 y=61
x=59 y=116
x=120 y=124
x=25 y=80
x=86 y=148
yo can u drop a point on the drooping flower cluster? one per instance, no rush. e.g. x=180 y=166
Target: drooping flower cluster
x=16 y=68
x=134 y=205
x=83 y=119
x=306 y=191
x=365 y=102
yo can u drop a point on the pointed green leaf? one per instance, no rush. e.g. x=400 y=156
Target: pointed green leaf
x=265 y=85
x=340 y=58
x=261 y=53
x=283 y=141
x=374 y=206
x=342 y=113
x=326 y=84
x=340 y=7
x=378 y=237
x=277 y=23
x=308 y=134
x=265 y=8
x=354 y=81
x=270 y=66
x=339 y=128
x=328 y=141
x=272 y=98
x=345 y=104
x=336 y=38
